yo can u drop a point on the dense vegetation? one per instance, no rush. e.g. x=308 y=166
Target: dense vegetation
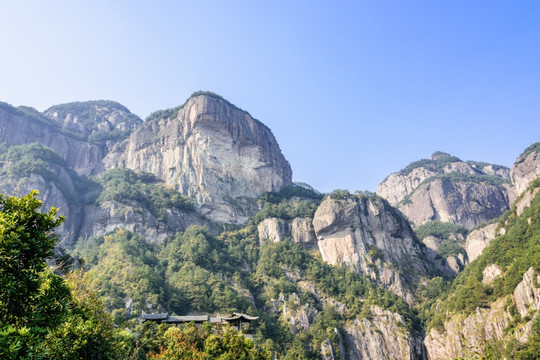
x=441 y=160
x=279 y=205
x=453 y=236
x=197 y=272
x=126 y=186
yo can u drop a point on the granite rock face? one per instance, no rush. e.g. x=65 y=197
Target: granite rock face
x=17 y=128
x=372 y=238
x=210 y=151
x=478 y=240
x=111 y=215
x=462 y=333
x=447 y=189
x=382 y=337
x=526 y=168
x=299 y=230
x=101 y=122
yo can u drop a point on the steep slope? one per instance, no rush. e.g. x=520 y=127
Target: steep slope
x=35 y=167
x=210 y=151
x=100 y=122
x=492 y=305
x=526 y=168
x=82 y=153
x=447 y=189
x=138 y=202
x=372 y=238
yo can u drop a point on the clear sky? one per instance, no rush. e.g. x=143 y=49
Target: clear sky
x=352 y=90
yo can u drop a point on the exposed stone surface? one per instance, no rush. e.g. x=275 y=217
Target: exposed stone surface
x=465 y=203
x=527 y=293
x=383 y=337
x=428 y=190
x=371 y=238
x=490 y=273
x=525 y=200
x=526 y=169
x=17 y=128
x=211 y=151
x=273 y=229
x=113 y=215
x=463 y=334
x=396 y=186
x=299 y=230
x=478 y=240
x=60 y=194
x=86 y=118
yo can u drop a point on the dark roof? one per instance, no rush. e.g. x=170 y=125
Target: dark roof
x=161 y=316
x=185 y=319
x=165 y=318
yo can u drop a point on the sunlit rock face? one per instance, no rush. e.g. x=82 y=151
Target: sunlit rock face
x=211 y=151
x=526 y=168
x=372 y=238
x=447 y=189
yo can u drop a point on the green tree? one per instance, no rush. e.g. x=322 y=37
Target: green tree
x=32 y=298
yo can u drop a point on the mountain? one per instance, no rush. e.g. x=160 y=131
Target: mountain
x=211 y=151
x=446 y=189
x=193 y=211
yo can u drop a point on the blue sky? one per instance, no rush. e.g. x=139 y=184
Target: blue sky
x=352 y=90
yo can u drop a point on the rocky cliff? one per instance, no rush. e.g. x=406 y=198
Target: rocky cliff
x=447 y=189
x=100 y=122
x=492 y=305
x=372 y=238
x=81 y=152
x=208 y=150
x=526 y=168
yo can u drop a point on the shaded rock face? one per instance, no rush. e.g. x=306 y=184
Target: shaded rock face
x=450 y=190
x=16 y=128
x=526 y=168
x=371 y=238
x=382 y=337
x=299 y=230
x=60 y=195
x=211 y=151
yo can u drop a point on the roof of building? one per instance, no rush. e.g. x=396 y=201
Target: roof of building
x=161 y=316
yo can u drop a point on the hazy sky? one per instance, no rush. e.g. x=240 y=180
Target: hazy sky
x=352 y=90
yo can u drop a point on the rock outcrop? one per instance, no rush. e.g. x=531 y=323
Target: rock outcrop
x=382 y=337
x=299 y=230
x=450 y=190
x=19 y=127
x=526 y=168
x=111 y=215
x=211 y=151
x=369 y=236
x=94 y=120
x=466 y=334
x=479 y=239
x=28 y=167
